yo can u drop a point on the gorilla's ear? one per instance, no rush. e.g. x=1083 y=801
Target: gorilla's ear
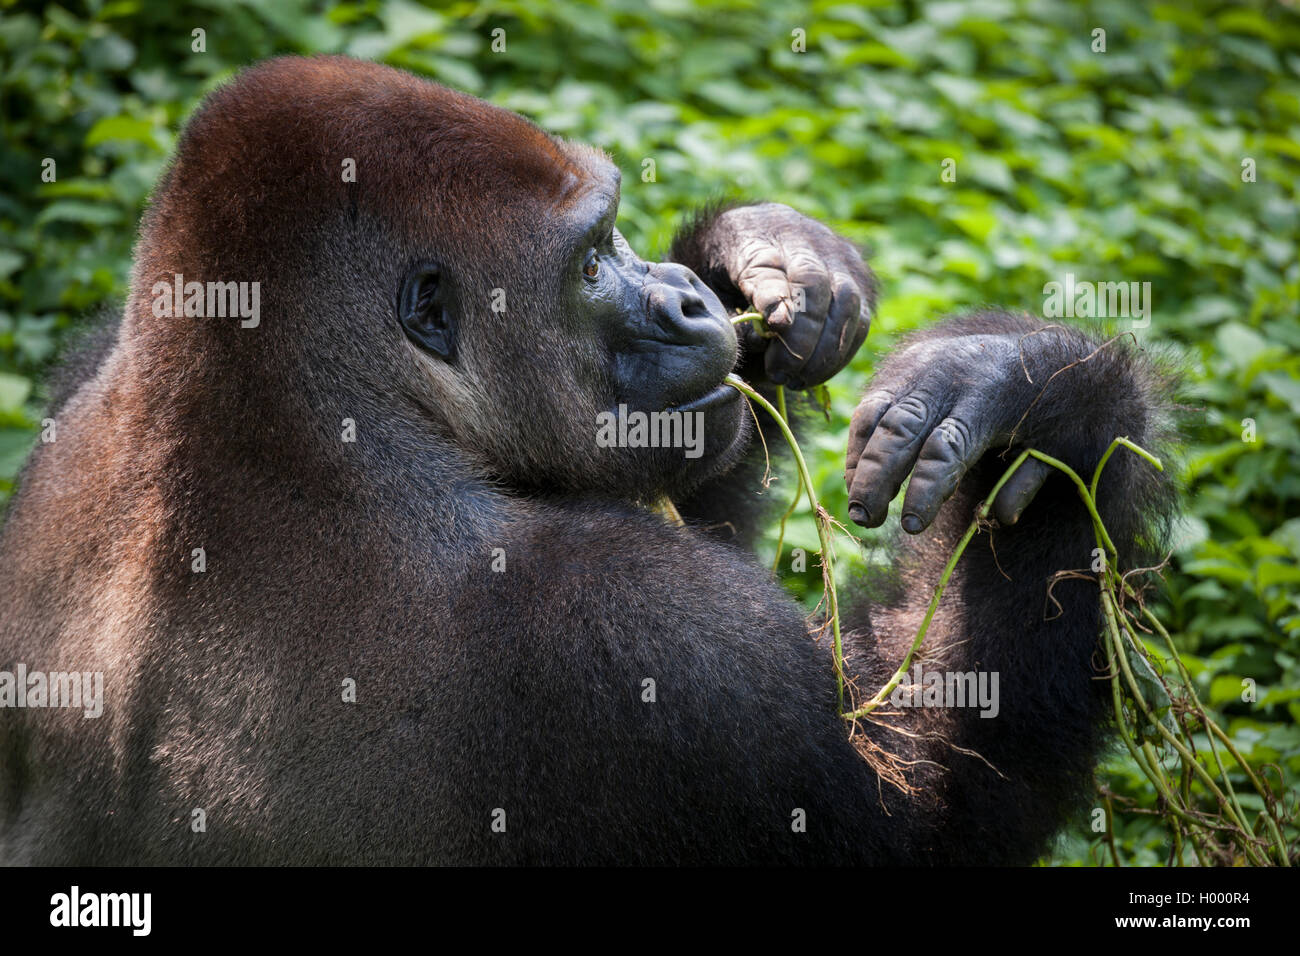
x=423 y=312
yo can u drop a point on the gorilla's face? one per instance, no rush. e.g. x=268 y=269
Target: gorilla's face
x=605 y=372
x=669 y=339
x=667 y=344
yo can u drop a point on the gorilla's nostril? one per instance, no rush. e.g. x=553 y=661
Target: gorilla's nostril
x=693 y=307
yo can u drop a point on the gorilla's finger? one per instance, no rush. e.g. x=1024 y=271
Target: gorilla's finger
x=810 y=300
x=810 y=281
x=947 y=454
x=890 y=453
x=836 y=345
x=768 y=289
x=790 y=350
x=1019 y=490
x=859 y=336
x=865 y=418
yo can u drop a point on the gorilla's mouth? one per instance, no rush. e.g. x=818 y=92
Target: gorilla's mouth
x=716 y=396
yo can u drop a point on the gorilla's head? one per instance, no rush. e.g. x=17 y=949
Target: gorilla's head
x=428 y=258
x=604 y=371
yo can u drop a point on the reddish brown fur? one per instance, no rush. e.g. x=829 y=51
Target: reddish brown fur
x=250 y=166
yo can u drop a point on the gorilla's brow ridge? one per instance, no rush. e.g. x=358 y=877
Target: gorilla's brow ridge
x=589 y=226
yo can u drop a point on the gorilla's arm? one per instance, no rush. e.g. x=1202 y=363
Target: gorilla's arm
x=815 y=293
x=946 y=407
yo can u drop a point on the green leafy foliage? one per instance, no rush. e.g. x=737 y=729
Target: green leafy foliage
x=1123 y=165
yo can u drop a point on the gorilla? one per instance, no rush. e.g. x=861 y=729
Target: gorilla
x=364 y=586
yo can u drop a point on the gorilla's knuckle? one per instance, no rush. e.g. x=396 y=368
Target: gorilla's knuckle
x=806 y=269
x=762 y=279
x=876 y=458
x=951 y=439
x=845 y=287
x=848 y=302
x=760 y=253
x=908 y=415
x=869 y=411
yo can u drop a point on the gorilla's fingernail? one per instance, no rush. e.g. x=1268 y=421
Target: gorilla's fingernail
x=777 y=378
x=912 y=524
x=778 y=317
x=857 y=512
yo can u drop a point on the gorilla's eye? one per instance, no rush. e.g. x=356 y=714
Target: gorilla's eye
x=591 y=268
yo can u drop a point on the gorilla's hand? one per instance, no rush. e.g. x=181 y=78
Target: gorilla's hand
x=940 y=404
x=811 y=286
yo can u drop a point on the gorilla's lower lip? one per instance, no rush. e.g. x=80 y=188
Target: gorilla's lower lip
x=718 y=395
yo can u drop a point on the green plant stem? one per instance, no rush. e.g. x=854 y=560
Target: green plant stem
x=798 y=491
x=981 y=514
x=1213 y=730
x=1110 y=606
x=1154 y=774
x=1136 y=449
x=823 y=529
x=1103 y=537
x=1110 y=832
x=1200 y=711
x=1189 y=759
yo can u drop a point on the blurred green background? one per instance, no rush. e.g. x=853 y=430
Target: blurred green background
x=1116 y=166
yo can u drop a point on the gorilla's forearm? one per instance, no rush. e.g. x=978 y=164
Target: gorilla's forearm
x=1004 y=614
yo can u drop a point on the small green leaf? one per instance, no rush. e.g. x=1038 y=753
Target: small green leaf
x=121 y=129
